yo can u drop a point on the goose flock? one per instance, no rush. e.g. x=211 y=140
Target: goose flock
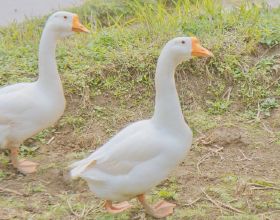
x=130 y=163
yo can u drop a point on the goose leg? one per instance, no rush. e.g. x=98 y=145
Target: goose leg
x=159 y=210
x=116 y=208
x=23 y=166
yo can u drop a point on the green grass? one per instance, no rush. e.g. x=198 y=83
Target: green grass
x=119 y=57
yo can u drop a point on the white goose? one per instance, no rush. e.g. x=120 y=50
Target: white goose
x=142 y=155
x=28 y=108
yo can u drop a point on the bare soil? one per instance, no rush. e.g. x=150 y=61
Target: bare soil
x=236 y=162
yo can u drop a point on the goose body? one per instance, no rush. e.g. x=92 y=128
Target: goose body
x=143 y=154
x=28 y=108
x=135 y=160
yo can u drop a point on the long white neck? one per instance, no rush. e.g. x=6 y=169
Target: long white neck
x=48 y=74
x=167 y=105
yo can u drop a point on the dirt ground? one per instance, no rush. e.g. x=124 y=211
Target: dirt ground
x=231 y=170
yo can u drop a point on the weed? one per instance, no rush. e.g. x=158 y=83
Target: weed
x=199 y=212
x=3 y=159
x=267 y=105
x=230 y=179
x=218 y=107
x=41 y=137
x=2 y=175
x=28 y=151
x=36 y=189
x=239 y=217
x=76 y=122
x=165 y=194
x=200 y=121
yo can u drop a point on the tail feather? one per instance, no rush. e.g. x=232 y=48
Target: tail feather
x=76 y=163
x=80 y=166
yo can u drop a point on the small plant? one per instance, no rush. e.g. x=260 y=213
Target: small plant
x=165 y=194
x=4 y=159
x=75 y=121
x=262 y=183
x=28 y=151
x=250 y=114
x=230 y=179
x=2 y=175
x=41 y=137
x=169 y=190
x=267 y=105
x=32 y=188
x=218 y=107
x=266 y=64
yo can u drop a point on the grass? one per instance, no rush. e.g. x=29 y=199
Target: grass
x=109 y=75
x=119 y=56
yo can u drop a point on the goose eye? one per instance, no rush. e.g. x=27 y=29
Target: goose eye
x=183 y=42
x=65 y=17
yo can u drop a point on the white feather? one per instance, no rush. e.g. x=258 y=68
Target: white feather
x=28 y=108
x=141 y=155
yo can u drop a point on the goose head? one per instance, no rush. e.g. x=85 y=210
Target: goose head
x=64 y=24
x=181 y=49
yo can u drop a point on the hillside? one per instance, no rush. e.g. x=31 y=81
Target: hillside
x=231 y=102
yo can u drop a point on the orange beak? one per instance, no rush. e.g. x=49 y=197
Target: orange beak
x=77 y=26
x=198 y=50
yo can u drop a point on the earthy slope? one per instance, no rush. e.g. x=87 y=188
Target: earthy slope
x=231 y=103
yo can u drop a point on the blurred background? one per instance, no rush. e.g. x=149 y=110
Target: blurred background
x=18 y=10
